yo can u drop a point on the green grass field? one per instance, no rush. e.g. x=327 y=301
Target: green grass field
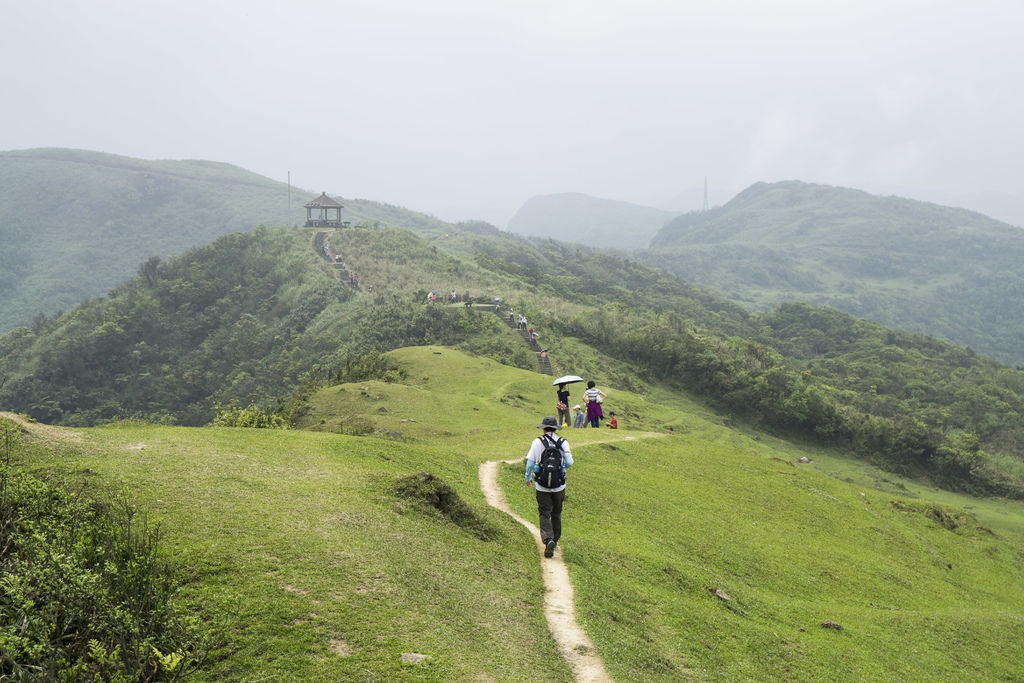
x=304 y=565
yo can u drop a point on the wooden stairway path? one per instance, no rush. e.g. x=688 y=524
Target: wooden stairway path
x=543 y=363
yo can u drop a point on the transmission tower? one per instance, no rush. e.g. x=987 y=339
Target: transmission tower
x=704 y=209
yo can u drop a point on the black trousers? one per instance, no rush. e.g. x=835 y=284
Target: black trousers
x=549 y=506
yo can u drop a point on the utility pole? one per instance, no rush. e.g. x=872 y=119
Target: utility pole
x=290 y=196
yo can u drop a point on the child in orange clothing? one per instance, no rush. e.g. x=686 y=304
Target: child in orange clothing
x=614 y=422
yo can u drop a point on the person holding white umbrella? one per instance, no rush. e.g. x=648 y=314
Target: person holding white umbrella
x=562 y=406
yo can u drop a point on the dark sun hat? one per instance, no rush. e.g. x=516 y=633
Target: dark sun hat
x=549 y=422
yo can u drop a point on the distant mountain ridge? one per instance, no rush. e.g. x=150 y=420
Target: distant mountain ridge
x=906 y=264
x=805 y=214
x=75 y=223
x=596 y=222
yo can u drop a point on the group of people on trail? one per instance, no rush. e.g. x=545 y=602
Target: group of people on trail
x=451 y=298
x=593 y=398
x=549 y=457
x=353 y=279
x=519 y=321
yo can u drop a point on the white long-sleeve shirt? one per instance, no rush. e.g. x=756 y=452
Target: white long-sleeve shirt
x=533 y=457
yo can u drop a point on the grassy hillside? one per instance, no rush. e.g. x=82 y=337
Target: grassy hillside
x=908 y=265
x=259 y=318
x=307 y=565
x=595 y=222
x=75 y=223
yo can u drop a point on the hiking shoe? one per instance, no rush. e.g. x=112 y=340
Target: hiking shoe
x=549 y=548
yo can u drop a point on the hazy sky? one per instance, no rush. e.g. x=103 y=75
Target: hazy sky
x=470 y=107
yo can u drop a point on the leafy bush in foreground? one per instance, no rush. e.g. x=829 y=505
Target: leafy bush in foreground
x=84 y=590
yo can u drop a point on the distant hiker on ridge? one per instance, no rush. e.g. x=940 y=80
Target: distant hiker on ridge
x=546 y=462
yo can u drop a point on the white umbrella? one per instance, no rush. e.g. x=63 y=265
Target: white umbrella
x=568 y=379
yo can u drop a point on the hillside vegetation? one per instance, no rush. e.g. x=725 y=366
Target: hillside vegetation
x=911 y=403
x=908 y=265
x=311 y=558
x=260 y=319
x=248 y=318
x=74 y=223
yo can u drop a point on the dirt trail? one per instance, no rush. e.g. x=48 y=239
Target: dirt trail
x=572 y=641
x=44 y=432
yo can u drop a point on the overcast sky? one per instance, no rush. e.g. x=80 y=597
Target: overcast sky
x=470 y=107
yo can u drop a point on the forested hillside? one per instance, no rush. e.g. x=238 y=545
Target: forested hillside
x=908 y=265
x=260 y=317
x=75 y=223
x=247 y=318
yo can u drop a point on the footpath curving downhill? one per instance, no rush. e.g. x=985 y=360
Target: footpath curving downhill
x=559 y=609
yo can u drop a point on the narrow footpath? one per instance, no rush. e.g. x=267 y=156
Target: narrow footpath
x=559 y=609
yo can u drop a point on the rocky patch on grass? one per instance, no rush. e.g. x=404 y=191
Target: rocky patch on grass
x=430 y=493
x=516 y=400
x=948 y=519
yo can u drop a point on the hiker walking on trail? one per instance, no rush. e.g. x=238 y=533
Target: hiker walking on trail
x=546 y=462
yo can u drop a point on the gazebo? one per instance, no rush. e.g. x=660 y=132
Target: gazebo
x=324 y=212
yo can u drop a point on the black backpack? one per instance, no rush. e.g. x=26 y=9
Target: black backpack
x=548 y=472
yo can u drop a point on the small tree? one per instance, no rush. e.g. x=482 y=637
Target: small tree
x=150 y=269
x=10 y=432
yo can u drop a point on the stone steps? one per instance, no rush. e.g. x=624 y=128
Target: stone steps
x=543 y=363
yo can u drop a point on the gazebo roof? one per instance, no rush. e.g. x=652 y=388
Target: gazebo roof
x=323 y=201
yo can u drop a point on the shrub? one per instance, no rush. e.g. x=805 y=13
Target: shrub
x=84 y=590
x=360 y=367
x=258 y=418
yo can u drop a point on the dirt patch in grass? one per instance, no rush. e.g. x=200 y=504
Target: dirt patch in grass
x=430 y=493
x=949 y=519
x=42 y=432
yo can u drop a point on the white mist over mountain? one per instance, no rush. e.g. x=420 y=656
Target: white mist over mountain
x=469 y=109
